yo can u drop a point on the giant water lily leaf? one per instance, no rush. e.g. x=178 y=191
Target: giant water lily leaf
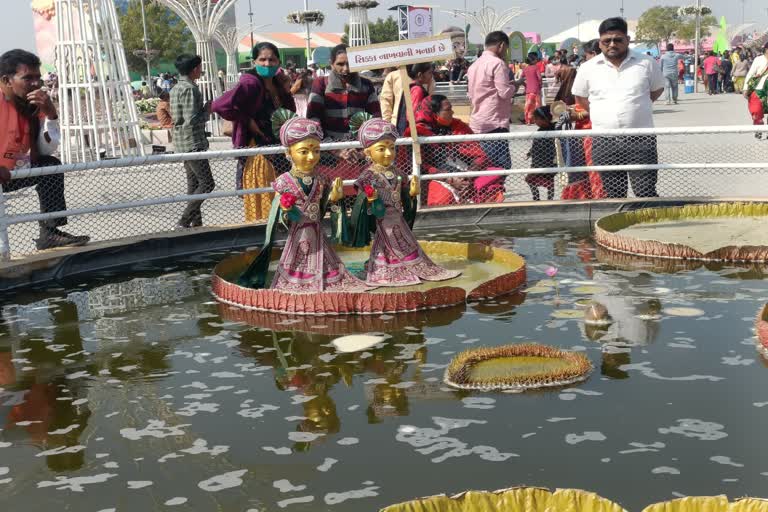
x=749 y=505
x=692 y=504
x=519 y=499
x=575 y=500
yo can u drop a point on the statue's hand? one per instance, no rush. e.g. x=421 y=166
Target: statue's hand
x=337 y=191
x=415 y=188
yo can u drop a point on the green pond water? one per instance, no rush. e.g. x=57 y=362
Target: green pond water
x=138 y=392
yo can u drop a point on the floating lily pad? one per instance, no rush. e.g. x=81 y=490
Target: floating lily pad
x=538 y=289
x=524 y=366
x=689 y=312
x=567 y=313
x=588 y=290
x=356 y=342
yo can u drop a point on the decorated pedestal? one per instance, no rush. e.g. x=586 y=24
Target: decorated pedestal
x=516 y=368
x=706 y=232
x=488 y=272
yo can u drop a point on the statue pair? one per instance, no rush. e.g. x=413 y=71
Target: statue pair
x=383 y=213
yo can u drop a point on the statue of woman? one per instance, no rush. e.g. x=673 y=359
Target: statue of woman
x=386 y=207
x=308 y=263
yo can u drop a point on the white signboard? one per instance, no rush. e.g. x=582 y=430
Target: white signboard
x=400 y=53
x=419 y=22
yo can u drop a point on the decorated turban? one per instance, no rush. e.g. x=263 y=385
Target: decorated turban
x=374 y=130
x=298 y=129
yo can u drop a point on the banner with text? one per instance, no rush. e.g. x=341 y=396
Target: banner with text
x=419 y=22
x=400 y=53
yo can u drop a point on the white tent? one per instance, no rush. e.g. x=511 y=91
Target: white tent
x=586 y=31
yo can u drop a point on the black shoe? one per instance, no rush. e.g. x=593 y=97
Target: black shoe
x=57 y=238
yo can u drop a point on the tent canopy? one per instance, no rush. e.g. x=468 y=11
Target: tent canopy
x=586 y=31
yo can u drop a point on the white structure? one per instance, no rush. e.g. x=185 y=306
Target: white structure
x=203 y=17
x=97 y=112
x=487 y=20
x=359 y=35
x=229 y=39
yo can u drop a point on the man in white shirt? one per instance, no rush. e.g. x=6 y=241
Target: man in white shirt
x=618 y=89
x=758 y=70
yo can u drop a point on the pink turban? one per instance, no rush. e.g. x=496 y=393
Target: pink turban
x=373 y=130
x=298 y=129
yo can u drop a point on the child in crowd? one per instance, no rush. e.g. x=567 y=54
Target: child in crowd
x=542 y=155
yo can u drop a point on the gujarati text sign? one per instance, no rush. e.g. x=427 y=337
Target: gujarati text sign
x=400 y=53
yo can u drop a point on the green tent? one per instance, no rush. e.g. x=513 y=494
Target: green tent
x=721 y=41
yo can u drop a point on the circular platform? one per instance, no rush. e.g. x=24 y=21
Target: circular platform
x=487 y=272
x=517 y=367
x=707 y=232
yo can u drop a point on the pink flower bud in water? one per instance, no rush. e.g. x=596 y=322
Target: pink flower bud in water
x=552 y=271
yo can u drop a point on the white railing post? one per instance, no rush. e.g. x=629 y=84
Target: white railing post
x=5 y=244
x=415 y=161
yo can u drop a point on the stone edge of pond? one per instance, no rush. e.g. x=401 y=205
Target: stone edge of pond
x=55 y=264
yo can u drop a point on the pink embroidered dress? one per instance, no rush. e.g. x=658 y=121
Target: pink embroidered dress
x=396 y=257
x=308 y=263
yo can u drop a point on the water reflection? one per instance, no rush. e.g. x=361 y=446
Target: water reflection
x=47 y=409
x=306 y=364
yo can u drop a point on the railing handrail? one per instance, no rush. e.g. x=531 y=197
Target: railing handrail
x=331 y=146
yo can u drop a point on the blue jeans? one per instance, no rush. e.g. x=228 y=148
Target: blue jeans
x=497 y=151
x=671 y=87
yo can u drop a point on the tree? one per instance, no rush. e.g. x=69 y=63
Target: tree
x=687 y=29
x=382 y=31
x=167 y=33
x=657 y=24
x=663 y=23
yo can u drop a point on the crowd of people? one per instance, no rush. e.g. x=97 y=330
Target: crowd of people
x=602 y=86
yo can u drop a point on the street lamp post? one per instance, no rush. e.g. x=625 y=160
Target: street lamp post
x=309 y=37
x=146 y=44
x=621 y=9
x=578 y=26
x=250 y=15
x=696 y=50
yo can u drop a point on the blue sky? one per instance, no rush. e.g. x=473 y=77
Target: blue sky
x=558 y=15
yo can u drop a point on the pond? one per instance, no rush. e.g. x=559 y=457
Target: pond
x=142 y=393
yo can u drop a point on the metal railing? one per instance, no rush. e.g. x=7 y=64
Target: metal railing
x=140 y=196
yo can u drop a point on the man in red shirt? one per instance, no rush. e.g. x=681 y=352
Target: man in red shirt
x=29 y=135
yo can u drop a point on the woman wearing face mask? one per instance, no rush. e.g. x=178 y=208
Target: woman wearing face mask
x=435 y=117
x=249 y=106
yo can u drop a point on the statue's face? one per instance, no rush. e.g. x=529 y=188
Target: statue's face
x=382 y=152
x=305 y=155
x=459 y=45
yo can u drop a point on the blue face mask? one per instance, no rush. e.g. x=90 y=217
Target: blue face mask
x=266 y=71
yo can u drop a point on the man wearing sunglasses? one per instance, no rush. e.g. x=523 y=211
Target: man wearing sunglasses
x=618 y=89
